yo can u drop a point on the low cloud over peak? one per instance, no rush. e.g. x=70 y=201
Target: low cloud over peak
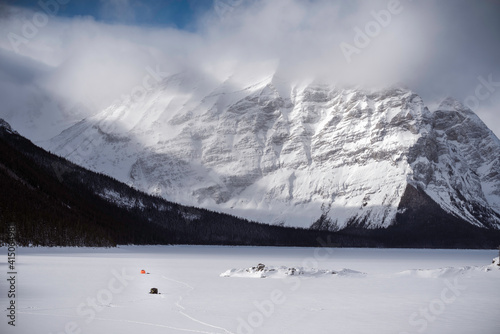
x=437 y=48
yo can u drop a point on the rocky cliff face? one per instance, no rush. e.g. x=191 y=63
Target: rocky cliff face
x=277 y=151
x=457 y=163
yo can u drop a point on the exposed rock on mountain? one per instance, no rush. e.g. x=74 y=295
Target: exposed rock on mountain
x=277 y=151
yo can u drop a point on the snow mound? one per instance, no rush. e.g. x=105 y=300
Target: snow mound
x=263 y=271
x=440 y=272
x=450 y=271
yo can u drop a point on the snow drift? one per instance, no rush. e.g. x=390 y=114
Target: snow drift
x=263 y=271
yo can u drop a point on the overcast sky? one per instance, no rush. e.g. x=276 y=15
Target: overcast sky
x=97 y=50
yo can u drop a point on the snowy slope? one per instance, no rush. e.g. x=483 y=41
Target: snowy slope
x=273 y=150
x=458 y=164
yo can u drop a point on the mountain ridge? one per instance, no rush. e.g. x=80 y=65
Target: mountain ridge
x=53 y=202
x=249 y=149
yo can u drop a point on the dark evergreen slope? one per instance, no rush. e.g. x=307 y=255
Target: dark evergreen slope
x=421 y=221
x=53 y=202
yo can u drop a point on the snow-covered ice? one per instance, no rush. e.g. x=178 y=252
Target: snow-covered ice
x=84 y=290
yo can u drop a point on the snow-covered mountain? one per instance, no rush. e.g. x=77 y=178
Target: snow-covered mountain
x=276 y=150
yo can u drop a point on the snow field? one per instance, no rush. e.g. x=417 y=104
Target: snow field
x=84 y=290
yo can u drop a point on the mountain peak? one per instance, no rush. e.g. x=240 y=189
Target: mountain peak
x=452 y=104
x=4 y=124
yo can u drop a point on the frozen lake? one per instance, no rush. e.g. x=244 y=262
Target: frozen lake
x=95 y=291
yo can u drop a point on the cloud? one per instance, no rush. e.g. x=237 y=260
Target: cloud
x=307 y=38
x=437 y=48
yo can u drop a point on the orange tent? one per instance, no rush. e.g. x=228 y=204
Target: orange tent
x=143 y=271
